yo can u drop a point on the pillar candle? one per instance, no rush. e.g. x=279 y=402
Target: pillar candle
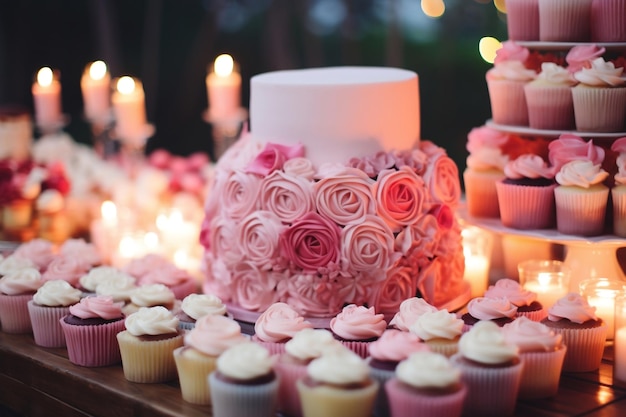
x=223 y=88
x=619 y=365
x=95 y=85
x=46 y=92
x=129 y=108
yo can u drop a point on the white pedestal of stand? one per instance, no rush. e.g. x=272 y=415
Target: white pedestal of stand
x=226 y=130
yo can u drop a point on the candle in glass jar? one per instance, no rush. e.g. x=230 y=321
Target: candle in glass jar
x=95 y=85
x=548 y=287
x=619 y=365
x=223 y=85
x=601 y=293
x=46 y=92
x=129 y=108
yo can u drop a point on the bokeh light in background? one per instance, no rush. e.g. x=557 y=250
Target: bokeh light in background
x=433 y=8
x=487 y=48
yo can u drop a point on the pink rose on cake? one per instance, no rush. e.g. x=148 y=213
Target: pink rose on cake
x=399 y=196
x=580 y=56
x=368 y=246
x=258 y=238
x=299 y=167
x=224 y=241
x=374 y=164
x=273 y=157
x=345 y=198
x=240 y=194
x=442 y=179
x=254 y=288
x=400 y=284
x=288 y=197
x=311 y=294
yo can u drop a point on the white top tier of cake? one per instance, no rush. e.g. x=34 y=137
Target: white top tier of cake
x=337 y=112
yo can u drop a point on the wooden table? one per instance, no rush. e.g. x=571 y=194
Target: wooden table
x=37 y=381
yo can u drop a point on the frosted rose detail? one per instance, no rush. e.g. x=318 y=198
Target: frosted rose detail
x=258 y=235
x=97 y=307
x=573 y=307
x=569 y=147
x=273 y=157
x=213 y=335
x=601 y=74
x=528 y=166
x=345 y=198
x=40 y=251
x=512 y=291
x=279 y=323
x=396 y=345
x=21 y=281
x=410 y=310
x=66 y=268
x=399 y=195
x=511 y=51
x=358 y=323
x=288 y=197
x=491 y=308
x=581 y=174
x=531 y=336
x=581 y=56
x=485 y=343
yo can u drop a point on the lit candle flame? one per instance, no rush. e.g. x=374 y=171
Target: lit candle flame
x=108 y=210
x=223 y=65
x=97 y=70
x=126 y=85
x=45 y=76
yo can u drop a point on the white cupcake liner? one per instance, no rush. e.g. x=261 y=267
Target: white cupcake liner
x=564 y=20
x=148 y=361
x=14 y=313
x=408 y=403
x=580 y=213
x=599 y=109
x=47 y=330
x=541 y=373
x=522 y=20
x=585 y=347
x=508 y=102
x=608 y=21
x=230 y=400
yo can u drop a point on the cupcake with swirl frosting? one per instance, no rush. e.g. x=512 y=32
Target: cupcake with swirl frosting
x=549 y=98
x=148 y=343
x=13 y=263
x=357 y=326
x=67 y=268
x=526 y=195
x=100 y=275
x=211 y=336
x=542 y=350
x=16 y=290
x=525 y=301
x=426 y=384
x=90 y=331
x=150 y=295
x=277 y=325
x=491 y=369
x=499 y=310
x=40 y=251
x=195 y=306
x=50 y=303
x=80 y=249
x=176 y=279
x=118 y=286
x=583 y=332
x=618 y=191
x=440 y=331
x=410 y=310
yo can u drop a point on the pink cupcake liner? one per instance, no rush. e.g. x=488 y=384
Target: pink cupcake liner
x=541 y=373
x=406 y=402
x=585 y=348
x=481 y=194
x=580 y=213
x=618 y=195
x=608 y=21
x=359 y=347
x=14 y=313
x=564 y=20
x=275 y=348
x=598 y=109
x=550 y=107
x=243 y=400
x=526 y=207
x=93 y=346
x=522 y=20
x=288 y=398
x=508 y=102
x=47 y=330
x=536 y=315
x=183 y=289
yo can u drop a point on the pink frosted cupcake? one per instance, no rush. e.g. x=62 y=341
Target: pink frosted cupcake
x=195 y=306
x=549 y=98
x=485 y=167
x=139 y=267
x=618 y=192
x=212 y=336
x=491 y=369
x=522 y=20
x=542 y=351
x=81 y=250
x=50 y=303
x=150 y=295
x=90 y=329
x=526 y=195
x=40 y=251
x=410 y=310
x=525 y=301
x=608 y=21
x=276 y=326
x=564 y=20
x=426 y=384
x=600 y=97
x=581 y=56
x=357 y=326
x=178 y=280
x=499 y=310
x=440 y=331
x=16 y=290
x=67 y=268
x=583 y=332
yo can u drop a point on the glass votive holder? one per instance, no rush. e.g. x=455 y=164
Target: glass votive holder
x=619 y=340
x=477 y=247
x=601 y=293
x=549 y=279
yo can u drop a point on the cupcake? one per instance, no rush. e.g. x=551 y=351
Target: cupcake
x=485 y=167
x=410 y=309
x=80 y=249
x=40 y=251
x=491 y=369
x=212 y=335
x=583 y=332
x=608 y=21
x=148 y=343
x=526 y=195
x=276 y=326
x=337 y=383
x=138 y=267
x=549 y=98
x=244 y=383
x=542 y=351
x=581 y=56
x=525 y=301
x=90 y=331
x=150 y=295
x=357 y=326
x=385 y=355
x=50 y=303
x=101 y=275
x=16 y=290
x=499 y=310
x=600 y=97
x=564 y=20
x=118 y=286
x=522 y=20
x=300 y=350
x=178 y=280
x=14 y=263
x=440 y=331
x=618 y=192
x=195 y=306
x=426 y=384
x=67 y=268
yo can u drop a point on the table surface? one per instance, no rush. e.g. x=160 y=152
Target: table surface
x=38 y=381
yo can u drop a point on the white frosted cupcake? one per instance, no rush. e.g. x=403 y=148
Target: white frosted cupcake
x=549 y=98
x=440 y=331
x=120 y=287
x=410 y=310
x=101 y=275
x=505 y=82
x=618 y=192
x=150 y=295
x=278 y=324
x=16 y=290
x=195 y=306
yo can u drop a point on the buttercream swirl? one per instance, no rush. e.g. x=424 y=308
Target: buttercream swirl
x=65 y=268
x=395 y=345
x=580 y=56
x=484 y=308
x=152 y=295
x=531 y=336
x=245 y=361
x=103 y=307
x=601 y=74
x=338 y=367
x=573 y=307
x=485 y=343
x=118 y=286
x=213 y=335
x=39 y=251
x=437 y=325
x=141 y=266
x=151 y=321
x=620 y=175
x=553 y=74
x=169 y=275
x=311 y=343
x=99 y=275
x=21 y=281
x=428 y=370
x=358 y=323
x=512 y=71
x=279 y=323
x=80 y=249
x=57 y=293
x=14 y=263
x=198 y=305
x=512 y=291
x=528 y=166
x=511 y=51
x=486 y=159
x=581 y=174
x=410 y=310
x=569 y=147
